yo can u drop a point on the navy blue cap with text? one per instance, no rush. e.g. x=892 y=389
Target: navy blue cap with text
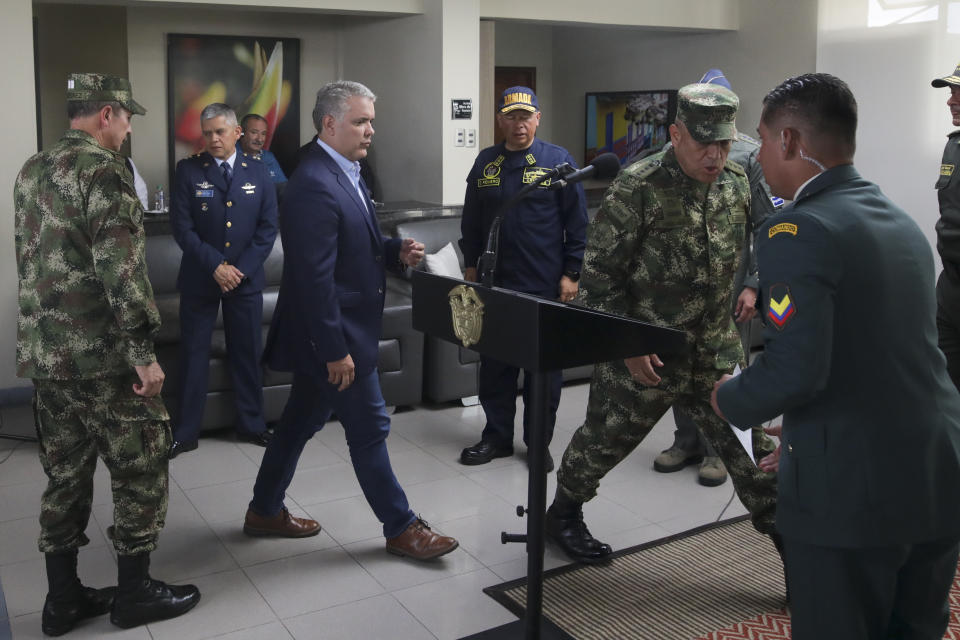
x=518 y=98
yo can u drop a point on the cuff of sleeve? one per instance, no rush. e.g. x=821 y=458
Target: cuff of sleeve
x=140 y=352
x=752 y=281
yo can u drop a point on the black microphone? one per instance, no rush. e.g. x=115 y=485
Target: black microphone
x=605 y=165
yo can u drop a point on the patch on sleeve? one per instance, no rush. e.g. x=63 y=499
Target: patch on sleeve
x=782 y=309
x=946 y=169
x=783 y=227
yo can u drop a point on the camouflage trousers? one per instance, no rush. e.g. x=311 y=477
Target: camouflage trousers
x=79 y=420
x=621 y=412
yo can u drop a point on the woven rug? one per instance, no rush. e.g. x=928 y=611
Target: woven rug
x=723 y=581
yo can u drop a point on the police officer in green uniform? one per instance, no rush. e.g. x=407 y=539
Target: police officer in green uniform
x=869 y=462
x=85 y=338
x=664 y=248
x=948 y=235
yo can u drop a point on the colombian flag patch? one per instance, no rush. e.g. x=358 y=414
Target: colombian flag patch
x=781 y=308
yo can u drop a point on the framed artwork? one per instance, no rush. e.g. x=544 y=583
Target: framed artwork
x=631 y=124
x=251 y=74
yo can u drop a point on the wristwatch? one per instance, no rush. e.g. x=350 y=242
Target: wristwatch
x=573 y=275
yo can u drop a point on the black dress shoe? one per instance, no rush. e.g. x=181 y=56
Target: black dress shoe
x=180 y=447
x=261 y=439
x=483 y=452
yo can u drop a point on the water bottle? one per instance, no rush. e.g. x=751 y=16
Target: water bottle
x=158 y=201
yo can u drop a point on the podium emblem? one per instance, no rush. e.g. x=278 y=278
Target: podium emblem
x=466 y=308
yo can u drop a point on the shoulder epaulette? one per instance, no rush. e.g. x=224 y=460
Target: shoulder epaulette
x=643 y=169
x=953 y=133
x=735 y=167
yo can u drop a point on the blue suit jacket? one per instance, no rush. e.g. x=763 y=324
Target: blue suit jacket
x=871 y=421
x=205 y=216
x=331 y=295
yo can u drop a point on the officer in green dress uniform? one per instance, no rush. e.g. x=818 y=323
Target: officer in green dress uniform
x=869 y=463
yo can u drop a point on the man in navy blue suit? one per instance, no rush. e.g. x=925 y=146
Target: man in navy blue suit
x=326 y=328
x=224 y=217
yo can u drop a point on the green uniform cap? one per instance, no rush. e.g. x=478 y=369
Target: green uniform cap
x=952 y=79
x=709 y=111
x=100 y=87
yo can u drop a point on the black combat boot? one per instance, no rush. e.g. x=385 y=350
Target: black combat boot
x=566 y=529
x=778 y=543
x=68 y=602
x=141 y=599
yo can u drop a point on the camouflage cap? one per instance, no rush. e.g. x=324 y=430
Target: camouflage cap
x=952 y=79
x=101 y=87
x=709 y=111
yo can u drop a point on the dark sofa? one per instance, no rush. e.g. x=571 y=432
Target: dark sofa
x=400 y=356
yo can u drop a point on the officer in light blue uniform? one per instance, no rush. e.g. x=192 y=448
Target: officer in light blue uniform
x=542 y=239
x=224 y=217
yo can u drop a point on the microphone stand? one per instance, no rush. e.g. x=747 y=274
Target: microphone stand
x=532 y=626
x=487 y=263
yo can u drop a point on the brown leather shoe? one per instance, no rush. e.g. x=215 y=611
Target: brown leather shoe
x=420 y=543
x=282 y=525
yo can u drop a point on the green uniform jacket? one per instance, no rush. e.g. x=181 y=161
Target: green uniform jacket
x=664 y=249
x=871 y=422
x=86 y=305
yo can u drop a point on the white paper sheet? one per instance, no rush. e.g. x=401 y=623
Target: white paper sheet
x=744 y=436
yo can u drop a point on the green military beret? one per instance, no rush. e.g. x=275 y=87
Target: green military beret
x=952 y=79
x=101 y=87
x=709 y=111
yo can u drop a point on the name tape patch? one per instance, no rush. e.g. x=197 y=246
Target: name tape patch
x=783 y=227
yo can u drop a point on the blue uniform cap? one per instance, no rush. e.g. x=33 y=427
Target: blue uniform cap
x=518 y=98
x=715 y=76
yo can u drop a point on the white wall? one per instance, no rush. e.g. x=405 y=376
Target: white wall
x=679 y=14
x=20 y=142
x=531 y=45
x=776 y=39
x=401 y=61
x=147 y=29
x=461 y=60
x=70 y=39
x=903 y=121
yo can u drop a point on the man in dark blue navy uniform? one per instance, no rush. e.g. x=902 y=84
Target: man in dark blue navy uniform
x=869 y=461
x=541 y=250
x=224 y=217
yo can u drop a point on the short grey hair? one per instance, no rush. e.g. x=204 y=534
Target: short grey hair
x=217 y=109
x=332 y=99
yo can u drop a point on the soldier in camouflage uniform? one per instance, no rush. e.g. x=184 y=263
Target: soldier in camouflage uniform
x=84 y=336
x=689 y=446
x=664 y=249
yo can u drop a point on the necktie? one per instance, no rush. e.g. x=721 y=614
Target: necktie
x=227 y=172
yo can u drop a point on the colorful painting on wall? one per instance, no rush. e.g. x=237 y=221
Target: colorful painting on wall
x=251 y=74
x=631 y=124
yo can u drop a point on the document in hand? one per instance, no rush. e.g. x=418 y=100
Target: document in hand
x=745 y=436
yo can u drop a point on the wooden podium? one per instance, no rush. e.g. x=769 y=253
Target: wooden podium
x=539 y=335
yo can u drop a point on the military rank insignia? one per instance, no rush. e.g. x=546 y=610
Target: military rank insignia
x=781 y=308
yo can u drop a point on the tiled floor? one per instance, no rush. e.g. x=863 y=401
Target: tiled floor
x=341 y=584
